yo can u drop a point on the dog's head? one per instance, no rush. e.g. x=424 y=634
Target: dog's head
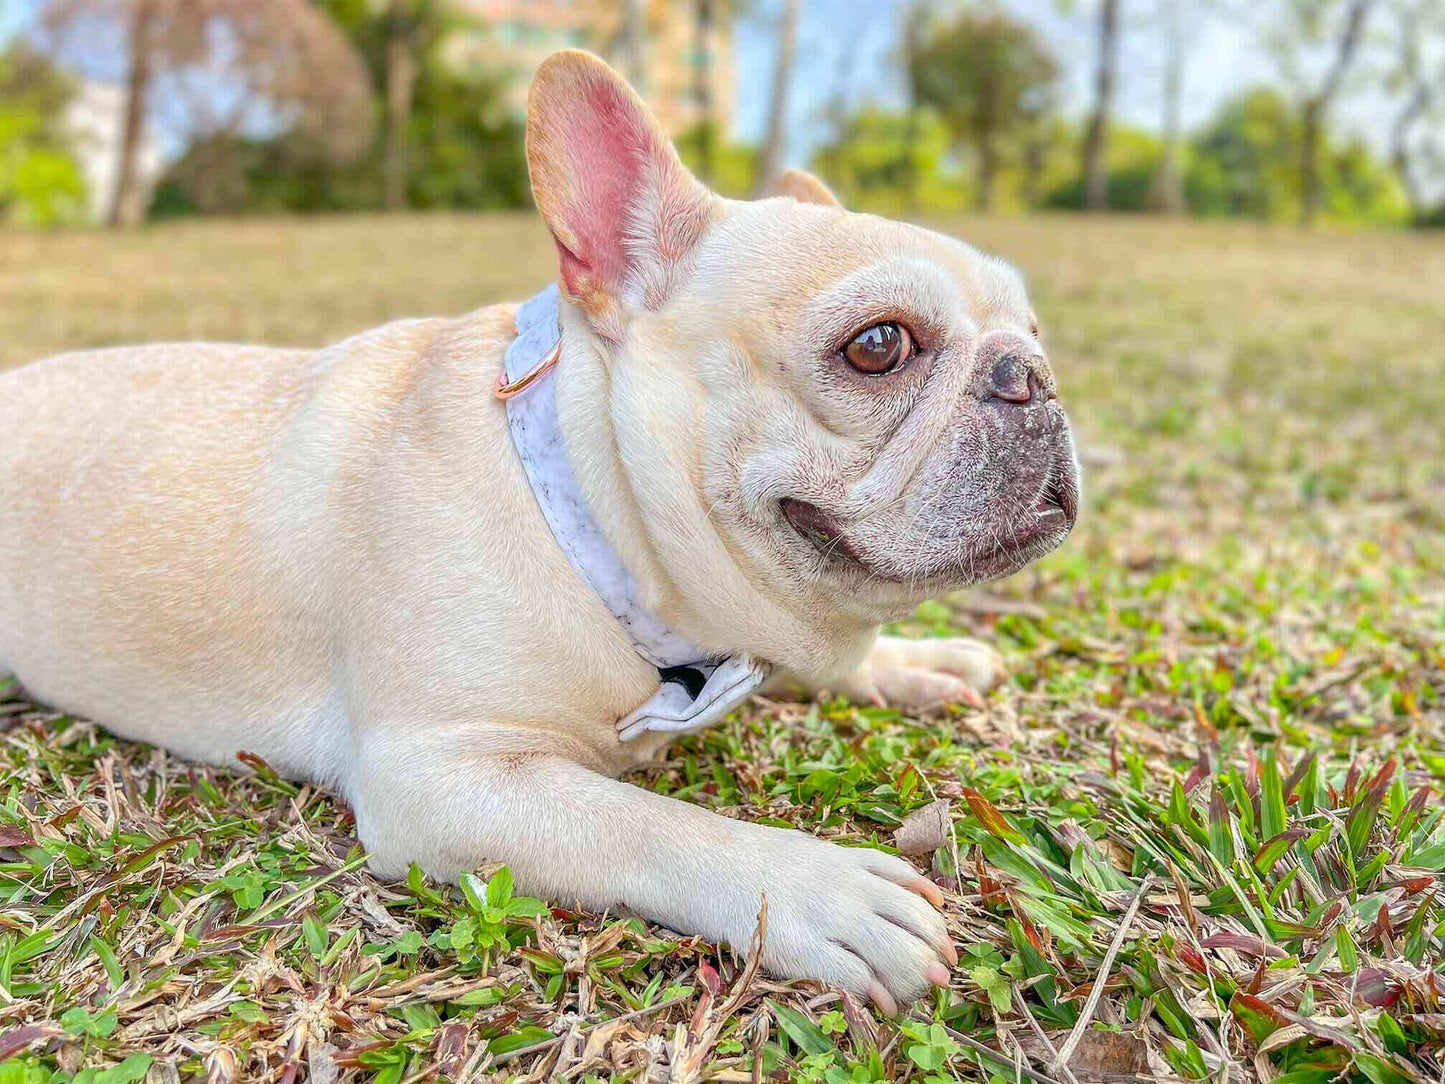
x=861 y=409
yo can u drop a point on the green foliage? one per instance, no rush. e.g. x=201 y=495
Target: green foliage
x=81 y=1022
x=1131 y=163
x=727 y=168
x=1246 y=162
x=931 y=1046
x=893 y=163
x=466 y=151
x=40 y=181
x=494 y=911
x=991 y=80
x=465 y=147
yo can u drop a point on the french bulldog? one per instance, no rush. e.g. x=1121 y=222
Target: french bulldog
x=791 y=424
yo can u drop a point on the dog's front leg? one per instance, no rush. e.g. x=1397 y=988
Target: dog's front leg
x=854 y=917
x=908 y=673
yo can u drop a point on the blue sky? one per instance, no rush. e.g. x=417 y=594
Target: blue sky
x=13 y=15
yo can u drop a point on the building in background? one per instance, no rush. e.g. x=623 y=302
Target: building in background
x=688 y=56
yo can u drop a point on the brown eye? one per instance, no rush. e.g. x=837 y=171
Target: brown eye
x=879 y=349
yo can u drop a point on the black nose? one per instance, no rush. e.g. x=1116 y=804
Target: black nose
x=1020 y=379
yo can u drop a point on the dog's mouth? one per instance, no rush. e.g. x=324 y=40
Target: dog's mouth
x=1057 y=505
x=819 y=529
x=1023 y=537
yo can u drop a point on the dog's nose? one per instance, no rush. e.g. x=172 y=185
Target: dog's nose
x=1021 y=378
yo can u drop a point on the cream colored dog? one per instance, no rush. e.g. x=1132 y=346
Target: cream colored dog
x=793 y=422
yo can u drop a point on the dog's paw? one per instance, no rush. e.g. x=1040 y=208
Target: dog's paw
x=920 y=674
x=855 y=918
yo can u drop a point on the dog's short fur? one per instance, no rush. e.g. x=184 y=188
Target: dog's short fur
x=333 y=559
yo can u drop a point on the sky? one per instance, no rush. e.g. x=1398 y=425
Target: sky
x=13 y=15
x=848 y=50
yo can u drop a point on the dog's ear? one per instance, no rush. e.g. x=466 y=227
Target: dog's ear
x=622 y=207
x=805 y=188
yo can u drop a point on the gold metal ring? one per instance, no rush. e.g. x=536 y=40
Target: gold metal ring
x=505 y=391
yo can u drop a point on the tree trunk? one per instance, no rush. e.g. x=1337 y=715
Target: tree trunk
x=1418 y=102
x=702 y=88
x=1035 y=147
x=401 y=75
x=1096 y=172
x=127 y=203
x=986 y=125
x=771 y=167
x=1167 y=196
x=987 y=170
x=634 y=44
x=914 y=28
x=1315 y=108
x=912 y=201
x=1310 y=162
x=1415 y=107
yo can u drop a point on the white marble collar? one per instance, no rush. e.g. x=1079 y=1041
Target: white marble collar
x=696 y=690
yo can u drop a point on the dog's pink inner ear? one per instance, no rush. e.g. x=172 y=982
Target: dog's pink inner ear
x=621 y=206
x=609 y=148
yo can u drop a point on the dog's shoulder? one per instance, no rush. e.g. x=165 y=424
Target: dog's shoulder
x=484 y=331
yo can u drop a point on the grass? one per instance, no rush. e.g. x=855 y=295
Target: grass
x=1197 y=835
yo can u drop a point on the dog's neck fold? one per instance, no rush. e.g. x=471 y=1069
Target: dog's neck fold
x=697 y=689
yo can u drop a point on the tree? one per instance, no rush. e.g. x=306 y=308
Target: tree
x=1246 y=162
x=1096 y=179
x=126 y=207
x=1315 y=32
x=1180 y=23
x=915 y=31
x=455 y=143
x=225 y=66
x=1419 y=80
x=401 y=72
x=888 y=163
x=989 y=78
x=394 y=38
x=771 y=167
x=1130 y=168
x=1246 y=158
x=40 y=181
x=1167 y=195
x=464 y=146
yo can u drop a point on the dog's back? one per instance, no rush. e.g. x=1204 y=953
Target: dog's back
x=130 y=481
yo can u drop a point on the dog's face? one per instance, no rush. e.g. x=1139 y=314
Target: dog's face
x=886 y=417
x=867 y=410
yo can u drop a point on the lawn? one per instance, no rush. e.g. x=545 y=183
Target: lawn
x=1198 y=834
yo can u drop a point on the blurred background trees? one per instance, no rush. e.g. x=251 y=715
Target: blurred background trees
x=990 y=80
x=40 y=181
x=118 y=110
x=218 y=71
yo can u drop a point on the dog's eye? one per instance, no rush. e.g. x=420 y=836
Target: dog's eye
x=879 y=349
